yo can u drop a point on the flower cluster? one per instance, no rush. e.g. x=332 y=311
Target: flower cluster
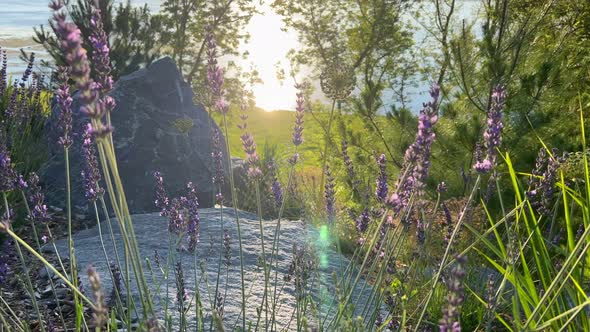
x=301 y=268
x=64 y=100
x=417 y=156
x=101 y=60
x=349 y=166
x=90 y=173
x=3 y=70
x=215 y=76
x=542 y=183
x=450 y=321
x=226 y=247
x=329 y=191
x=252 y=159
x=175 y=216
x=70 y=42
x=162 y=201
x=36 y=198
x=217 y=155
x=275 y=187
x=181 y=292
x=192 y=205
x=493 y=134
x=299 y=114
x=381 y=190
x=362 y=222
x=8 y=177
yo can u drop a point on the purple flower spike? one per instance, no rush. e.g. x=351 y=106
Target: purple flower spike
x=3 y=71
x=215 y=76
x=450 y=321
x=191 y=203
x=329 y=191
x=162 y=201
x=217 y=156
x=90 y=173
x=64 y=100
x=417 y=156
x=226 y=247
x=493 y=134
x=299 y=114
x=276 y=189
x=381 y=190
x=362 y=222
x=175 y=217
x=8 y=176
x=70 y=42
x=36 y=198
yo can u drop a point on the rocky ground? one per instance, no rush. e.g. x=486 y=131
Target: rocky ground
x=321 y=264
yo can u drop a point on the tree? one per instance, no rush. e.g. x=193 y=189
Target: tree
x=133 y=34
x=185 y=26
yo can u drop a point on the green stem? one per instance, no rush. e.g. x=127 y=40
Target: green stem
x=234 y=196
x=36 y=236
x=447 y=252
x=325 y=155
x=28 y=282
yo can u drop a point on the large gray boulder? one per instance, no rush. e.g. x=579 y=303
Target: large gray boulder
x=157 y=127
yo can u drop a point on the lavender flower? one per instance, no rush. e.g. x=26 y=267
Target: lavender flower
x=276 y=189
x=450 y=321
x=219 y=304
x=493 y=134
x=36 y=198
x=251 y=156
x=100 y=52
x=75 y=55
x=90 y=173
x=64 y=100
x=420 y=234
x=362 y=222
x=349 y=166
x=181 y=292
x=215 y=76
x=162 y=201
x=542 y=184
x=381 y=190
x=117 y=283
x=175 y=217
x=249 y=146
x=226 y=247
x=417 y=156
x=3 y=71
x=192 y=205
x=101 y=61
x=299 y=113
x=329 y=192
x=217 y=155
x=8 y=176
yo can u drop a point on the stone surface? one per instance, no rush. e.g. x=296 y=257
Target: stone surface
x=151 y=233
x=157 y=127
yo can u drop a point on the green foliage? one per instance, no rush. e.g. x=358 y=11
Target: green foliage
x=133 y=34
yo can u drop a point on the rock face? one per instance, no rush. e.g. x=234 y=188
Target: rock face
x=157 y=127
x=152 y=235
